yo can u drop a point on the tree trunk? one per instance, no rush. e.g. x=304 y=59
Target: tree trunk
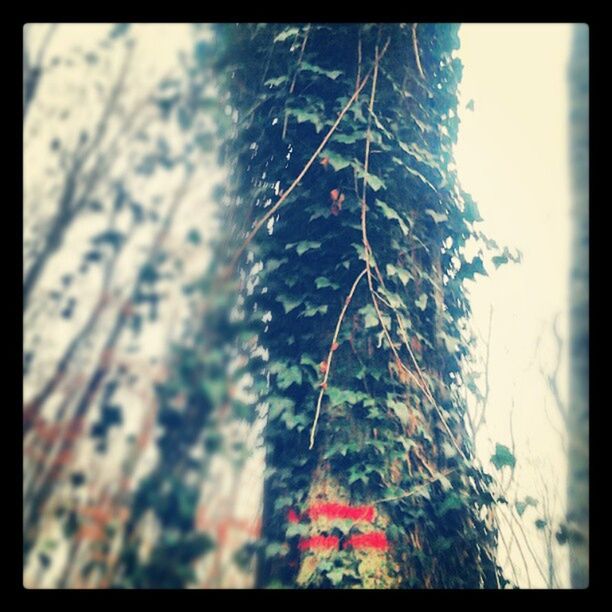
x=356 y=293
x=578 y=413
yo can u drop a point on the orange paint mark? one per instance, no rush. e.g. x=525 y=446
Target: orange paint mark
x=341 y=511
x=376 y=540
x=325 y=542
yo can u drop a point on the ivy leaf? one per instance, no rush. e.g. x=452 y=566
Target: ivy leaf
x=285 y=34
x=336 y=160
x=304 y=116
x=521 y=506
x=400 y=409
x=452 y=502
x=276 y=82
x=336 y=575
x=312 y=310
x=452 y=344
x=341 y=396
x=437 y=217
x=471 y=212
x=355 y=474
x=295 y=529
x=276 y=549
x=402 y=274
x=468 y=270
x=503 y=456
x=279 y=405
x=541 y=523
x=306 y=245
x=274 y=264
x=288 y=302
x=332 y=74
x=371 y=317
x=287 y=376
x=389 y=213
x=373 y=181
x=421 y=303
x=349 y=138
x=322 y=282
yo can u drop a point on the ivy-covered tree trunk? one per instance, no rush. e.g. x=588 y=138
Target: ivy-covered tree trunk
x=578 y=414
x=352 y=267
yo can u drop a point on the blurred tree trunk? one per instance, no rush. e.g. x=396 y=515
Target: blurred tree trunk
x=578 y=413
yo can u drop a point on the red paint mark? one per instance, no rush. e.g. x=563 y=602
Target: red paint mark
x=376 y=540
x=327 y=542
x=292 y=517
x=342 y=511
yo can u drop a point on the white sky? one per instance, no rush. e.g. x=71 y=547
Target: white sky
x=512 y=156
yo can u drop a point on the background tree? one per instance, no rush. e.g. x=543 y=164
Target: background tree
x=578 y=412
x=109 y=262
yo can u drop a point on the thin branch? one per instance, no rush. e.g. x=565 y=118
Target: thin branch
x=415 y=47
x=330 y=356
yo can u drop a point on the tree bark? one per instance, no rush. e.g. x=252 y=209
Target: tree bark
x=578 y=413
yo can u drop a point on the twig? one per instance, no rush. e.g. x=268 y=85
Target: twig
x=415 y=46
x=330 y=356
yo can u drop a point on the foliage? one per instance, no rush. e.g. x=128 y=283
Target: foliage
x=391 y=417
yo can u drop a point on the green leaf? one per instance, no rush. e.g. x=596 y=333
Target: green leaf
x=355 y=474
x=437 y=217
x=340 y=396
x=471 y=213
x=295 y=529
x=336 y=575
x=521 y=506
x=392 y=214
x=451 y=502
x=349 y=138
x=421 y=303
x=287 y=376
x=332 y=74
x=468 y=270
x=322 y=282
x=373 y=181
x=452 y=344
x=285 y=34
x=503 y=456
x=306 y=245
x=279 y=405
x=541 y=523
x=276 y=549
x=274 y=264
x=336 y=160
x=400 y=409
x=276 y=82
x=309 y=361
x=288 y=302
x=312 y=310
x=304 y=116
x=402 y=274
x=371 y=317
